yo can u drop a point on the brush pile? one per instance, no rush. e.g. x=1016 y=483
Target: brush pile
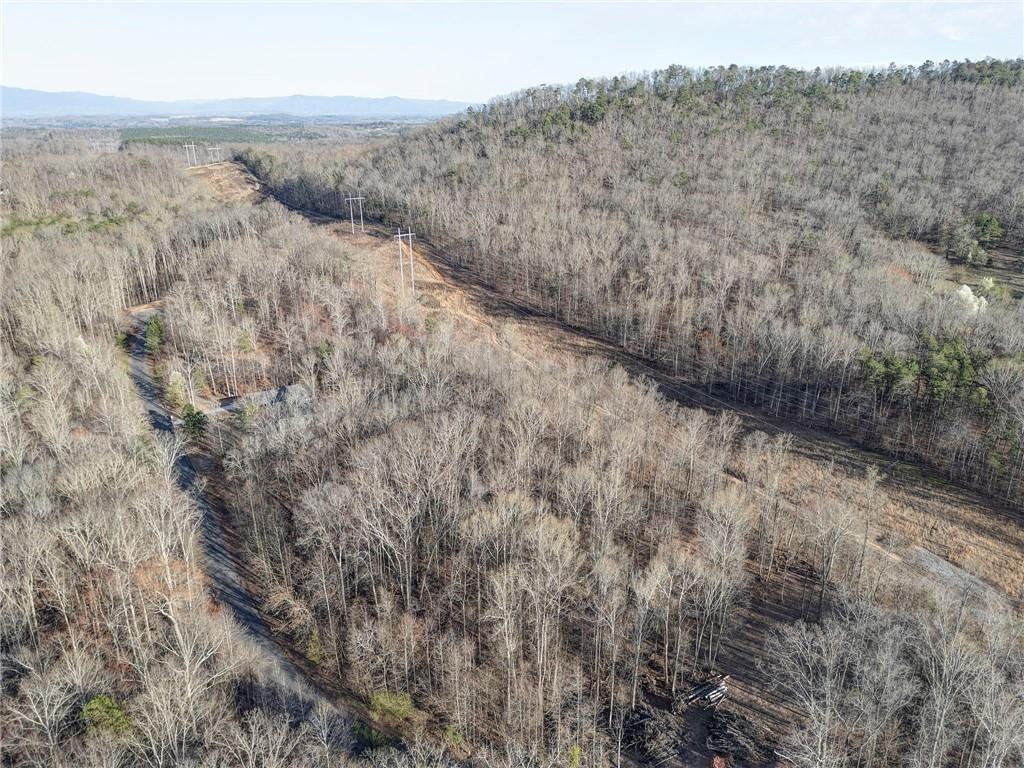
x=732 y=734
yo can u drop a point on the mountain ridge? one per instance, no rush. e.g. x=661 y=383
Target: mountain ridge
x=31 y=103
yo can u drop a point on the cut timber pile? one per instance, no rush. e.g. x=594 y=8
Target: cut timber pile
x=709 y=694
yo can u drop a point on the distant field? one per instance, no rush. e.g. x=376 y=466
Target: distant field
x=228 y=133
x=250 y=133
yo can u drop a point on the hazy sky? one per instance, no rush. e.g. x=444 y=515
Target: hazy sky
x=464 y=51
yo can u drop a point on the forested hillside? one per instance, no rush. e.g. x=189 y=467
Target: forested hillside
x=779 y=237
x=112 y=650
x=542 y=561
x=533 y=559
x=455 y=528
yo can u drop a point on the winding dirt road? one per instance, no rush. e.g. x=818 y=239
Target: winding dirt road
x=221 y=565
x=227 y=574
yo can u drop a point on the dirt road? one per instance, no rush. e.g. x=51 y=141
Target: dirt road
x=221 y=566
x=227 y=574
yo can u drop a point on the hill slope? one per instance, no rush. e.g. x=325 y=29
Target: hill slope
x=783 y=238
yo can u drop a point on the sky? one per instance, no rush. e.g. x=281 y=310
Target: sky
x=464 y=51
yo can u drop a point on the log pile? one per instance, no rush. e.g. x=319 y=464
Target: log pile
x=710 y=694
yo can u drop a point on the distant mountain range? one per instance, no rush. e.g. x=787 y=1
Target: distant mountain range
x=27 y=103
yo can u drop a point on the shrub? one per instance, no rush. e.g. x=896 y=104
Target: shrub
x=102 y=713
x=453 y=735
x=394 y=705
x=199 y=381
x=987 y=228
x=315 y=648
x=369 y=737
x=23 y=395
x=963 y=245
x=154 y=335
x=246 y=343
x=990 y=288
x=246 y=414
x=194 y=422
x=174 y=392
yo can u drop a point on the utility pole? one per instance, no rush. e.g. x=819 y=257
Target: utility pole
x=351 y=216
x=213 y=154
x=401 y=263
x=191 y=158
x=412 y=258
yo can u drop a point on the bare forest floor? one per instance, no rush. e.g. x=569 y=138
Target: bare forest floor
x=230 y=187
x=927 y=526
